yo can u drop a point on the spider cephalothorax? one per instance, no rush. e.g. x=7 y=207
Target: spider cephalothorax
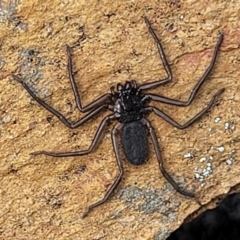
x=128 y=106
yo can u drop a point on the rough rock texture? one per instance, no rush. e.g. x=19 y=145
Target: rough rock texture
x=44 y=197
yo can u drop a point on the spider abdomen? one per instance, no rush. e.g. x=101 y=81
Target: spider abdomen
x=134 y=142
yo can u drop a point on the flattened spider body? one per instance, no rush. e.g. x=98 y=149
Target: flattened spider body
x=134 y=142
x=128 y=106
x=129 y=110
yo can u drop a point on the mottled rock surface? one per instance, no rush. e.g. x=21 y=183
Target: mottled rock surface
x=44 y=197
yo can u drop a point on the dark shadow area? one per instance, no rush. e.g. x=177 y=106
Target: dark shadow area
x=220 y=223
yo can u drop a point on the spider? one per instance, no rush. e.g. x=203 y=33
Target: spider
x=128 y=105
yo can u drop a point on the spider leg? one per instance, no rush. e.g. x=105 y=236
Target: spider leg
x=176 y=124
x=76 y=124
x=160 y=161
x=119 y=176
x=96 y=103
x=195 y=89
x=84 y=152
x=163 y=58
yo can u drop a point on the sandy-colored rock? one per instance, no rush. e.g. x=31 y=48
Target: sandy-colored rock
x=44 y=197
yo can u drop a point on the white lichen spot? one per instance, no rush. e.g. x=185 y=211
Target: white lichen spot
x=229 y=161
x=232 y=151
x=227 y=125
x=206 y=173
x=221 y=149
x=202 y=159
x=181 y=16
x=188 y=155
x=7 y=119
x=217 y=119
x=201 y=175
x=197 y=175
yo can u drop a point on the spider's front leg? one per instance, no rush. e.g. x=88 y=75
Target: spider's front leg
x=96 y=103
x=98 y=108
x=191 y=121
x=174 y=102
x=163 y=58
x=93 y=108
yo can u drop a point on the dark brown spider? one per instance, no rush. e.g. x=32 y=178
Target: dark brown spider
x=129 y=108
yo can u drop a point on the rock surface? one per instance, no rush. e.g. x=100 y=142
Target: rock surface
x=44 y=197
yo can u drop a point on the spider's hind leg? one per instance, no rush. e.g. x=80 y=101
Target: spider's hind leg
x=160 y=161
x=94 y=143
x=119 y=176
